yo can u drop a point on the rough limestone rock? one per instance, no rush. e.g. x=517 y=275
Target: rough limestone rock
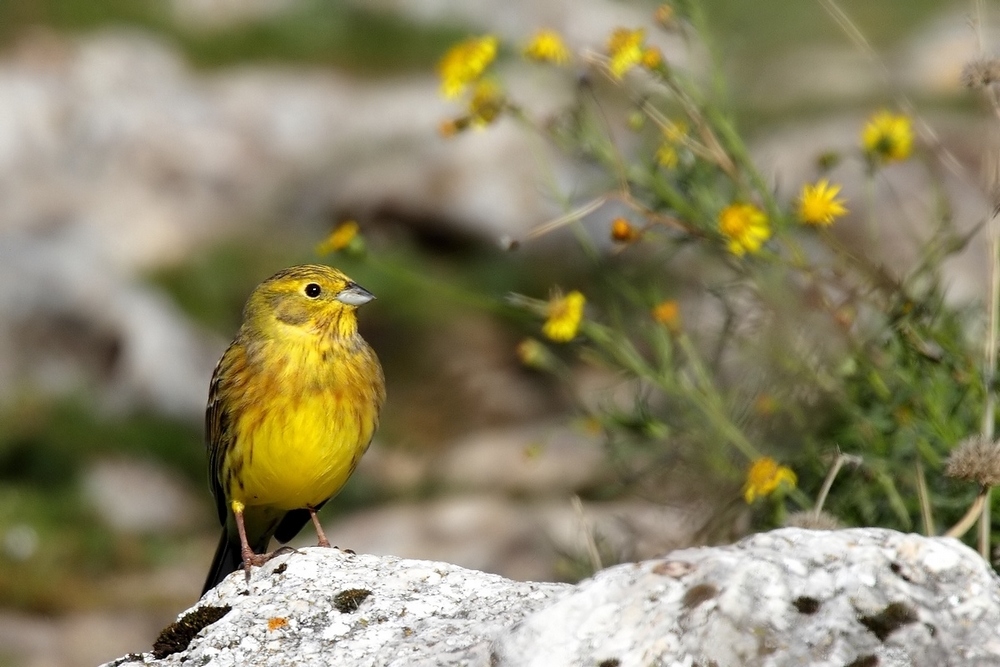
x=790 y=597
x=856 y=597
x=326 y=607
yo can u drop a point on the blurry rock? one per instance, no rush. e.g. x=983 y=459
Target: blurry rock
x=553 y=460
x=478 y=182
x=486 y=382
x=137 y=496
x=394 y=471
x=114 y=133
x=931 y=60
x=77 y=639
x=520 y=540
x=69 y=321
x=816 y=75
x=466 y=377
x=119 y=138
x=928 y=64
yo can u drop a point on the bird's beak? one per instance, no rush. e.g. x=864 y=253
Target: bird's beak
x=354 y=295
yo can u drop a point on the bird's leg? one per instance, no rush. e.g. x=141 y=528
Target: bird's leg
x=323 y=542
x=249 y=557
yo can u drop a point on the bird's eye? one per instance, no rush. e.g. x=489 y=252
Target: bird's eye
x=312 y=290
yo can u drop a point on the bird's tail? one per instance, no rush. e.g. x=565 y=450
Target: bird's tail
x=228 y=558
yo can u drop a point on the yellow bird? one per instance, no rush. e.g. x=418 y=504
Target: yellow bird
x=292 y=406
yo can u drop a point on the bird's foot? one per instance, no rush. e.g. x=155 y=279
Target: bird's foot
x=250 y=559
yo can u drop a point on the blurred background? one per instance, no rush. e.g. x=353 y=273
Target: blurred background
x=159 y=158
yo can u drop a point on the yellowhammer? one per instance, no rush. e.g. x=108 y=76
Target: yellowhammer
x=292 y=406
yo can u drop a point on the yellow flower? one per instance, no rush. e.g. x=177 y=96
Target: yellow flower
x=565 y=313
x=464 y=63
x=636 y=120
x=668 y=313
x=674 y=134
x=765 y=405
x=888 y=137
x=623 y=231
x=664 y=16
x=547 y=46
x=764 y=478
x=339 y=238
x=675 y=131
x=652 y=57
x=746 y=228
x=449 y=128
x=819 y=205
x=486 y=104
x=534 y=354
x=625 y=49
x=666 y=156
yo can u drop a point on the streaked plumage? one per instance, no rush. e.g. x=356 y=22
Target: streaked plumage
x=293 y=405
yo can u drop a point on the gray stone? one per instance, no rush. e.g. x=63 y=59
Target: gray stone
x=70 y=322
x=786 y=598
x=307 y=608
x=789 y=597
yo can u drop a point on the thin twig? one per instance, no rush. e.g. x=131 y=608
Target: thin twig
x=831 y=475
x=973 y=513
x=992 y=306
x=925 y=502
x=574 y=215
x=588 y=535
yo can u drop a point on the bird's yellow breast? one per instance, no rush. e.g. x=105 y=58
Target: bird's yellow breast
x=310 y=415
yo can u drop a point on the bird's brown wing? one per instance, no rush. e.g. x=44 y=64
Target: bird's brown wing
x=219 y=417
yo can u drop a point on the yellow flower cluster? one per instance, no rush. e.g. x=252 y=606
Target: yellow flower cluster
x=340 y=238
x=564 y=316
x=665 y=17
x=818 y=204
x=547 y=46
x=462 y=69
x=668 y=313
x=486 y=103
x=533 y=354
x=674 y=134
x=622 y=231
x=765 y=477
x=888 y=137
x=745 y=227
x=627 y=49
x=465 y=63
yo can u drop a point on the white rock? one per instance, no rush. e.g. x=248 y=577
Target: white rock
x=743 y=605
x=70 y=321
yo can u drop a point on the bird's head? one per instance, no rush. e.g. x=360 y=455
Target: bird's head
x=310 y=298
